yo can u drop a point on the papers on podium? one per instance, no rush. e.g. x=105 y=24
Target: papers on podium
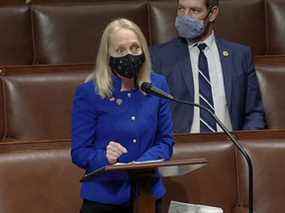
x=139 y=162
x=101 y=170
x=180 y=207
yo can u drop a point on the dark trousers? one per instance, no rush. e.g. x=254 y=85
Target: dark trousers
x=95 y=207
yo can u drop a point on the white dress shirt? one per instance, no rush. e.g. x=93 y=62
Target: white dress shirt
x=217 y=81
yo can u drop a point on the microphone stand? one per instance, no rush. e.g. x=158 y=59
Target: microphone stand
x=148 y=88
x=235 y=142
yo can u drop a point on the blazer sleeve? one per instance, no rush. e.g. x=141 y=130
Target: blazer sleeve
x=84 y=117
x=254 y=111
x=163 y=146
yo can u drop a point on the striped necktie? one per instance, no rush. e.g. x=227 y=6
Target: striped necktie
x=207 y=123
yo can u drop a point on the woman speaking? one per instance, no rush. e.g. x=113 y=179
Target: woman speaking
x=114 y=121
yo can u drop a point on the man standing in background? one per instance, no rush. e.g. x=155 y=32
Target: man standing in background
x=204 y=69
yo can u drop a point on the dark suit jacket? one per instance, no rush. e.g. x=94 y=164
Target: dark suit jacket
x=241 y=86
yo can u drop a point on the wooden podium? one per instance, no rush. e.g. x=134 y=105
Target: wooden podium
x=142 y=174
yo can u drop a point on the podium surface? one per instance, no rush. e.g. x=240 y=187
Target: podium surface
x=142 y=174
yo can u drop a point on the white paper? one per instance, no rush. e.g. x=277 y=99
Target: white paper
x=148 y=161
x=139 y=162
x=180 y=207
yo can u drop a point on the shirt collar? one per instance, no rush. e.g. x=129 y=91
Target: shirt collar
x=209 y=42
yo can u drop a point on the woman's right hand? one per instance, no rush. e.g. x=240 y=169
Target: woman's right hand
x=114 y=151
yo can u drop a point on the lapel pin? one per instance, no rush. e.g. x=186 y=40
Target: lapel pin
x=226 y=53
x=119 y=101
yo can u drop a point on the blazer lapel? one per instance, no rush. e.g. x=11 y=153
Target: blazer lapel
x=185 y=67
x=227 y=66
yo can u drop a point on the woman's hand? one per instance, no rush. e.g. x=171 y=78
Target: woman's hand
x=114 y=151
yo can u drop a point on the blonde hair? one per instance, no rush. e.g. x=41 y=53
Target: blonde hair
x=102 y=74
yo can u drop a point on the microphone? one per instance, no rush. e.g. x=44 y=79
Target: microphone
x=150 y=89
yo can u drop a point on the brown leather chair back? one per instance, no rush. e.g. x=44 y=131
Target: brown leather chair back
x=271 y=80
x=243 y=22
x=268 y=163
x=215 y=184
x=38 y=100
x=276 y=31
x=16 y=35
x=162 y=18
x=71 y=33
x=40 y=180
x=2 y=111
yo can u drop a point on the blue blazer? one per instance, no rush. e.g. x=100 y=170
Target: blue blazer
x=141 y=123
x=241 y=86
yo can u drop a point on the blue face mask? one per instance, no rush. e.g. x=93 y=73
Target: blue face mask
x=189 y=27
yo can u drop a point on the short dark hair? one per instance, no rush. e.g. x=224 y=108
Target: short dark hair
x=209 y=3
x=212 y=3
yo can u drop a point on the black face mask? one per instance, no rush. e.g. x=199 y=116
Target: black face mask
x=127 y=66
